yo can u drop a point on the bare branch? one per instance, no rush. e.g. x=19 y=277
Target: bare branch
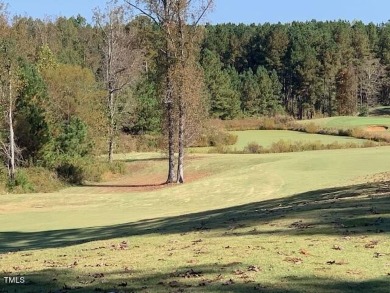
x=209 y=3
x=143 y=12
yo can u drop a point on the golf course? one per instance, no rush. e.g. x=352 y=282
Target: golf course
x=312 y=221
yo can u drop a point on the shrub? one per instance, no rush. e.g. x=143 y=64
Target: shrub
x=267 y=123
x=364 y=111
x=254 y=148
x=71 y=172
x=344 y=132
x=221 y=149
x=148 y=142
x=281 y=146
x=20 y=184
x=312 y=128
x=215 y=136
x=359 y=133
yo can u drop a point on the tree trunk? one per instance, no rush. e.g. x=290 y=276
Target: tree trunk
x=11 y=135
x=180 y=161
x=111 y=135
x=171 y=142
x=110 y=149
x=181 y=137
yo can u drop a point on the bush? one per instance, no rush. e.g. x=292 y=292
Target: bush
x=78 y=171
x=344 y=132
x=215 y=136
x=364 y=111
x=20 y=184
x=71 y=172
x=281 y=146
x=312 y=128
x=221 y=149
x=254 y=148
x=147 y=143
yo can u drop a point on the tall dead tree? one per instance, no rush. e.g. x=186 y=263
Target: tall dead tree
x=178 y=22
x=122 y=61
x=8 y=89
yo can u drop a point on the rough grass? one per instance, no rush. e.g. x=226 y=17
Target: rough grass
x=302 y=222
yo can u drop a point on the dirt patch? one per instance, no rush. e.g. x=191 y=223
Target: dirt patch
x=141 y=183
x=376 y=128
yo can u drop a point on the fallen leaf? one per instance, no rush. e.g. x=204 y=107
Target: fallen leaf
x=371 y=244
x=254 y=269
x=378 y=254
x=123 y=284
x=295 y=260
x=228 y=282
x=191 y=274
x=174 y=284
x=304 y=251
x=337 y=247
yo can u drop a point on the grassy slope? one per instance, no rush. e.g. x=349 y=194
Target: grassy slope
x=283 y=213
x=267 y=137
x=349 y=121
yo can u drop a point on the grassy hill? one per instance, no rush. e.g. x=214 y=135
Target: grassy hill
x=297 y=222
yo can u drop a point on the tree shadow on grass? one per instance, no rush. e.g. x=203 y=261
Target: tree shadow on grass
x=217 y=278
x=385 y=111
x=102 y=185
x=357 y=209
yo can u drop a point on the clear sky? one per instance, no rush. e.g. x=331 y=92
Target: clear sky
x=236 y=11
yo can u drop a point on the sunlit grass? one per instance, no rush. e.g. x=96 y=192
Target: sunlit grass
x=243 y=223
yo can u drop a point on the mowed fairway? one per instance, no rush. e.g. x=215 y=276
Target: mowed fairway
x=266 y=138
x=293 y=222
x=350 y=121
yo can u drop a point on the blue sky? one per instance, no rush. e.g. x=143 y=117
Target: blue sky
x=236 y=11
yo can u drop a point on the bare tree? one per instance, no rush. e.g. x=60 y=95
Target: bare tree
x=178 y=23
x=122 y=61
x=370 y=78
x=8 y=89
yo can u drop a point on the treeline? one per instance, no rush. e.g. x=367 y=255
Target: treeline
x=302 y=69
x=55 y=80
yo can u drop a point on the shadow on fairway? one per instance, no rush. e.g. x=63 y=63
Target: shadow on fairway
x=207 y=278
x=357 y=209
x=384 y=111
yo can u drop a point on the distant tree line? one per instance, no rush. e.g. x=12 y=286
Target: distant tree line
x=68 y=86
x=302 y=69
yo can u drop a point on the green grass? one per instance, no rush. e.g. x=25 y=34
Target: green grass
x=266 y=138
x=349 y=121
x=297 y=222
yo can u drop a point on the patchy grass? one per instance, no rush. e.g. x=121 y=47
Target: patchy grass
x=301 y=222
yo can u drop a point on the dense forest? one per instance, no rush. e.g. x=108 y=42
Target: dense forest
x=56 y=75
